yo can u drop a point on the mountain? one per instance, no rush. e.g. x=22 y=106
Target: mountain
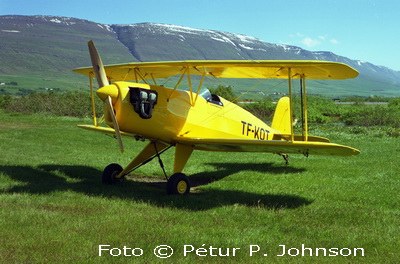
x=38 y=51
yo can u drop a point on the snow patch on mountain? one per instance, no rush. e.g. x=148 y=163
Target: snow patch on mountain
x=290 y=48
x=244 y=38
x=10 y=31
x=106 y=27
x=179 y=29
x=225 y=37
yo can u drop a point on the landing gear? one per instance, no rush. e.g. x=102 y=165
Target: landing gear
x=179 y=184
x=285 y=157
x=109 y=173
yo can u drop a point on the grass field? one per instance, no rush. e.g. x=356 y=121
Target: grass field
x=53 y=208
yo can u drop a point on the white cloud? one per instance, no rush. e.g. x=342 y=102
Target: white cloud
x=309 y=42
x=334 y=41
x=312 y=42
x=297 y=35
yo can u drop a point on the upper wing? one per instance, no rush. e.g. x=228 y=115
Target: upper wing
x=228 y=69
x=272 y=146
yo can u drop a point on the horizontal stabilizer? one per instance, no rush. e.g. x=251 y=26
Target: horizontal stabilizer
x=301 y=138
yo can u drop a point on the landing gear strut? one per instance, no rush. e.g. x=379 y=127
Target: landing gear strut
x=178 y=183
x=285 y=157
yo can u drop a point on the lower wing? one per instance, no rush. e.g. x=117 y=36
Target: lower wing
x=272 y=146
x=318 y=146
x=105 y=130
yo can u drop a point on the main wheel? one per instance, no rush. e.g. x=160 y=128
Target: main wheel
x=178 y=183
x=109 y=173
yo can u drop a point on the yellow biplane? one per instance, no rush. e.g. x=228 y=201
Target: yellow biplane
x=198 y=120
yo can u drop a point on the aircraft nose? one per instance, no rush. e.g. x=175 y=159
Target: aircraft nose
x=108 y=90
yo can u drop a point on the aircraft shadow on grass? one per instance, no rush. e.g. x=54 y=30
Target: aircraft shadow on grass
x=82 y=179
x=223 y=170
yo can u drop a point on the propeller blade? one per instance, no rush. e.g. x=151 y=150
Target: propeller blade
x=98 y=67
x=101 y=77
x=114 y=120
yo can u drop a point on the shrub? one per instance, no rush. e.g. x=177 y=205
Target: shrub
x=394 y=102
x=319 y=110
x=76 y=104
x=372 y=116
x=263 y=109
x=5 y=100
x=224 y=91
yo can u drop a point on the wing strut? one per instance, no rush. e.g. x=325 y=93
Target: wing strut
x=291 y=104
x=199 y=87
x=179 y=82
x=304 y=118
x=137 y=72
x=92 y=99
x=190 y=86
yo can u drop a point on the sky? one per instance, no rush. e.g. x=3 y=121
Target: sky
x=366 y=30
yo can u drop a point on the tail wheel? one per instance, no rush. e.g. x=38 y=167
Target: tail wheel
x=179 y=184
x=110 y=172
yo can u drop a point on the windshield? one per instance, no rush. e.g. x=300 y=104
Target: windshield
x=205 y=93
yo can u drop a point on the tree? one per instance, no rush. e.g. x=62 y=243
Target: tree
x=224 y=91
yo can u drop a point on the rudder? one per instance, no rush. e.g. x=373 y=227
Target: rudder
x=281 y=120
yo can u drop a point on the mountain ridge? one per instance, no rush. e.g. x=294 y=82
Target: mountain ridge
x=55 y=45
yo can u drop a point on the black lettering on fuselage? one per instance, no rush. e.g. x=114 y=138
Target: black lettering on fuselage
x=248 y=128
x=244 y=124
x=262 y=134
x=256 y=132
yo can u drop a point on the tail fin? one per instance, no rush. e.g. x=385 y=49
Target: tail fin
x=281 y=120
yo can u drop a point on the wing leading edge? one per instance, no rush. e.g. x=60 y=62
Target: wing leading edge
x=271 y=146
x=319 y=147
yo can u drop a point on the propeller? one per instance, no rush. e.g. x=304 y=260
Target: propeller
x=101 y=77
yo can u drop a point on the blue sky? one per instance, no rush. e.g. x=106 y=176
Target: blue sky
x=366 y=30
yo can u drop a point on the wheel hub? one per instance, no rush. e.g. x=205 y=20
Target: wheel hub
x=182 y=187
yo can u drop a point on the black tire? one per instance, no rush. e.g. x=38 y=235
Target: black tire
x=109 y=173
x=179 y=184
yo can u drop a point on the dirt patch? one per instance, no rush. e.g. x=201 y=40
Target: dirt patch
x=162 y=181
x=140 y=178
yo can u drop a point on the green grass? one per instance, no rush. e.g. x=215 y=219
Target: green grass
x=41 y=82
x=53 y=208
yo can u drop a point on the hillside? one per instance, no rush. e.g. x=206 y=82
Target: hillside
x=38 y=51
x=41 y=51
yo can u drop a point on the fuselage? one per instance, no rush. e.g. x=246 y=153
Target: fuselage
x=178 y=113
